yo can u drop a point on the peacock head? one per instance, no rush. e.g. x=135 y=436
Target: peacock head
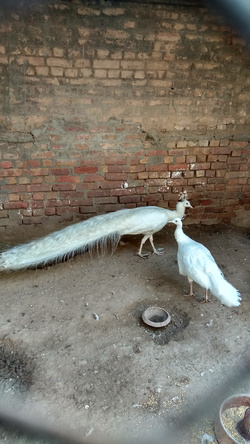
x=183 y=199
x=177 y=221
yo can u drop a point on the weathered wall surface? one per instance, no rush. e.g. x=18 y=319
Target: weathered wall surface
x=107 y=105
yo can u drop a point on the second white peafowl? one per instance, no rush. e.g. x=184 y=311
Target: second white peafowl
x=98 y=231
x=196 y=262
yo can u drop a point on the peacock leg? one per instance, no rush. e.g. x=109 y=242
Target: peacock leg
x=159 y=253
x=191 y=293
x=206 y=297
x=140 y=249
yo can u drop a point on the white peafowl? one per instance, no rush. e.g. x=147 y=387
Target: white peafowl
x=196 y=262
x=98 y=231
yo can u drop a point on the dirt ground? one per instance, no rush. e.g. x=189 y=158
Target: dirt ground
x=74 y=349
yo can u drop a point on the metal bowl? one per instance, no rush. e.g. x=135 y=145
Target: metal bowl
x=221 y=433
x=156 y=317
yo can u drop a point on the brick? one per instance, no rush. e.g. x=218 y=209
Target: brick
x=113 y=74
x=114 y=169
x=14 y=188
x=187 y=174
x=221 y=150
x=212 y=157
x=71 y=72
x=195 y=181
x=36 y=172
x=168 y=36
x=178 y=152
x=50 y=211
x=34 y=163
x=14 y=197
x=199 y=173
x=84 y=170
x=10 y=172
x=178 y=167
x=222 y=158
x=206 y=202
x=236 y=160
x=156 y=182
x=236 y=153
x=51 y=195
x=57 y=72
x=116 y=34
x=63 y=187
x=66 y=210
x=66 y=162
x=61 y=62
x=42 y=71
x=126 y=74
x=38 y=212
x=14 y=205
x=115 y=161
x=210 y=173
x=38 y=196
x=87 y=209
x=106 y=64
x=98 y=193
x=113 y=11
x=143 y=175
x=34 y=220
x=218 y=165
x=110 y=185
x=154 y=167
x=6 y=164
x=132 y=65
x=36 y=61
x=115 y=176
x=129 y=199
x=151 y=198
x=60 y=171
x=57 y=203
x=244 y=167
x=47 y=163
x=214 y=143
x=70 y=179
x=238 y=144
x=38 y=188
x=3 y=214
x=105 y=200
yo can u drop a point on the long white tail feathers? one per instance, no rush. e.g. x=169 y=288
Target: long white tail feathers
x=226 y=293
x=54 y=247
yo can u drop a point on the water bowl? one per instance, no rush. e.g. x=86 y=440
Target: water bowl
x=156 y=317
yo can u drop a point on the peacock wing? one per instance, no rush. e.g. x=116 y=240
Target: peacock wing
x=196 y=262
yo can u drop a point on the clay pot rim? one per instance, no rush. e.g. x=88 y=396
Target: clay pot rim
x=150 y=311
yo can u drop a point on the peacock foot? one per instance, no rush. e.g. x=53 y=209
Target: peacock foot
x=189 y=294
x=205 y=300
x=143 y=256
x=159 y=252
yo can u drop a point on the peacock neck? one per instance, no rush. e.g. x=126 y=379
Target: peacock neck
x=180 y=209
x=179 y=235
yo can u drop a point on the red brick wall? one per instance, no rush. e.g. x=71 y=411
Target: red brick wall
x=106 y=107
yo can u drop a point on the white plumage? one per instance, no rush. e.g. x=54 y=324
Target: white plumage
x=196 y=262
x=98 y=231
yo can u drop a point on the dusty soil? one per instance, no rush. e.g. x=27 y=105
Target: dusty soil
x=74 y=348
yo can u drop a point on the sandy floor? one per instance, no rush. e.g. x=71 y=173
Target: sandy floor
x=75 y=349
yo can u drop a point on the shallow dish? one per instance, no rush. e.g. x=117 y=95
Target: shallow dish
x=222 y=434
